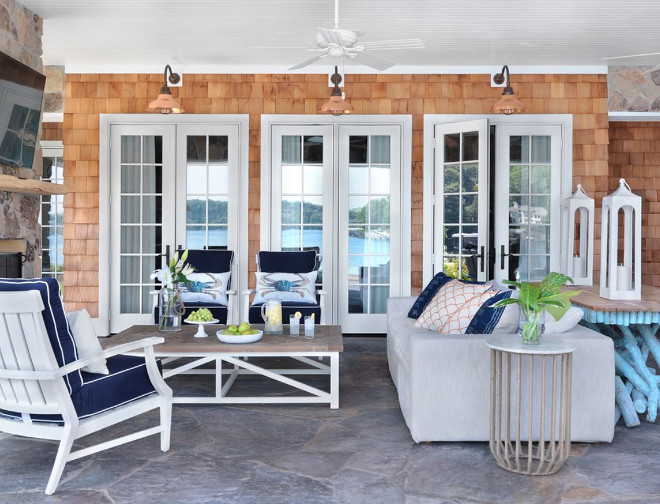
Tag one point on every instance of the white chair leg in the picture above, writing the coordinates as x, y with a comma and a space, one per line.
68, 436
165, 422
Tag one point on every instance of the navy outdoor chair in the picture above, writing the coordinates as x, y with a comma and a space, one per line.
207, 287
305, 261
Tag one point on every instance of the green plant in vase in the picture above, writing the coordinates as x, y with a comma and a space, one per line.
534, 299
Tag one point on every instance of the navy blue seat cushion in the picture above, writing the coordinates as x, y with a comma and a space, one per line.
60, 336
287, 262
486, 318
288, 309
128, 380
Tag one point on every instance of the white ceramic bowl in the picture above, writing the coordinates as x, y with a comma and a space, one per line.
240, 338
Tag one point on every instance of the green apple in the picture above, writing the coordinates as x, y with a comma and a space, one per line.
232, 329
244, 327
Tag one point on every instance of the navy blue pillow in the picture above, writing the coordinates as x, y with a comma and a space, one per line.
54, 319
486, 318
287, 262
429, 291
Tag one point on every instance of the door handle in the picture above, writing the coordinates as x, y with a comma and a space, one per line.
481, 256
166, 254
503, 254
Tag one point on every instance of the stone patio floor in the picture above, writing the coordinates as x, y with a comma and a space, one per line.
309, 454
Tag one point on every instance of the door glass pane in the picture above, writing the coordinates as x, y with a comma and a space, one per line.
291, 179
379, 210
452, 178
380, 180
291, 206
470, 178
219, 149
313, 179
291, 149
452, 147
207, 190
518, 179
380, 150
471, 146
357, 150
519, 149
541, 149
140, 228
540, 179
291, 238
313, 210
313, 149
357, 209
452, 210
357, 178
469, 207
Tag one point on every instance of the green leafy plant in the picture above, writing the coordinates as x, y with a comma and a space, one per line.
534, 298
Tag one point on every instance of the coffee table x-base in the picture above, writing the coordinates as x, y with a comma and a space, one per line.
318, 356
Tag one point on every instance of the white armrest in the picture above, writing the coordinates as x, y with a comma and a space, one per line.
80, 363
231, 294
321, 294
246, 304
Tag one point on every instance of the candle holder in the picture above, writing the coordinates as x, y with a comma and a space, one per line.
578, 233
621, 245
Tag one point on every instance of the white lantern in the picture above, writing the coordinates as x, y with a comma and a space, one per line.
579, 266
621, 245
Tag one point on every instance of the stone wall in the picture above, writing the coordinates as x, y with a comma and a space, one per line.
633, 89
20, 37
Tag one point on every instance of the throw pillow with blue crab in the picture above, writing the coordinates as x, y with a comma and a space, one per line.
206, 288
295, 287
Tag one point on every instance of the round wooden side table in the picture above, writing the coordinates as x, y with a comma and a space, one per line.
530, 404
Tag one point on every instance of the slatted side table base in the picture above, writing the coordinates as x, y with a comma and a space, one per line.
531, 390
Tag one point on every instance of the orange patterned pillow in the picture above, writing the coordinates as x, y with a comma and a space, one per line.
449, 300
460, 320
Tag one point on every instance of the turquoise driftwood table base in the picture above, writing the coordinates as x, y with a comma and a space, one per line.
633, 325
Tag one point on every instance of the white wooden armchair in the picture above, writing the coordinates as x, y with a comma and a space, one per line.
35, 390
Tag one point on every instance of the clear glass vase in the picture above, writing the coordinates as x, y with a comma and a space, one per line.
170, 309
531, 326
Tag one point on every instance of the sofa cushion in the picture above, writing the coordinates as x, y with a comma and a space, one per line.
57, 327
450, 304
86, 340
570, 319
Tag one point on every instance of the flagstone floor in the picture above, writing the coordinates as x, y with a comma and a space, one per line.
309, 454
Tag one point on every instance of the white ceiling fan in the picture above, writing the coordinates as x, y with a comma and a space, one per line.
653, 69
338, 42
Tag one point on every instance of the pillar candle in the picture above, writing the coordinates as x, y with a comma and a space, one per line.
622, 279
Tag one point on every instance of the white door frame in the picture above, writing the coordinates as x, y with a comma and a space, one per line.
431, 120
268, 121
102, 324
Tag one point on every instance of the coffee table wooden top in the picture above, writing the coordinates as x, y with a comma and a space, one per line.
327, 338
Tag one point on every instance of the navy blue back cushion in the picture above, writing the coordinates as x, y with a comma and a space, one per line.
54, 319
287, 262
211, 261
486, 318
427, 294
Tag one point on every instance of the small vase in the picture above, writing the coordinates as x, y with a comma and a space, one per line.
170, 309
531, 326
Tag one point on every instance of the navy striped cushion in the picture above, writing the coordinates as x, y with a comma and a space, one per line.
55, 321
486, 318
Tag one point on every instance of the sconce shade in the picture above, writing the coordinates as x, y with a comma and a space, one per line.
508, 104
621, 245
165, 104
578, 266
336, 104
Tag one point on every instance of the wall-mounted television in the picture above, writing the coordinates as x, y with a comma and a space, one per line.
21, 94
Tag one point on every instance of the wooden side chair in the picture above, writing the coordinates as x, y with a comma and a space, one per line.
288, 276
46, 394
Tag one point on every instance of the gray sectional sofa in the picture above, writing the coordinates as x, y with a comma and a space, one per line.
443, 380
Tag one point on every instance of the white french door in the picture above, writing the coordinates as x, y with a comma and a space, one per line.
527, 201
461, 204
340, 189
171, 187
142, 213
497, 185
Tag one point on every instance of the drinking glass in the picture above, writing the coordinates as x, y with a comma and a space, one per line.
294, 325
309, 328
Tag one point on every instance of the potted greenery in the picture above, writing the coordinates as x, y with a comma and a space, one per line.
534, 299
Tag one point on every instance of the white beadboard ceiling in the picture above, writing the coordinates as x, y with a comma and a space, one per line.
257, 36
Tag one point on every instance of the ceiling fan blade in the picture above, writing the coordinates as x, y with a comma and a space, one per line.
413, 43
309, 61
372, 61
632, 56
331, 36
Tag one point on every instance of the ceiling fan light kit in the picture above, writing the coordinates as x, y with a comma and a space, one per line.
336, 104
508, 103
165, 103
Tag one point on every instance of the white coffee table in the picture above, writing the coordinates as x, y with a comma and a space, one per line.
541, 412
182, 353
